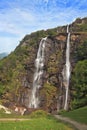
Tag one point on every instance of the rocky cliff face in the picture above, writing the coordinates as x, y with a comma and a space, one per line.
19, 81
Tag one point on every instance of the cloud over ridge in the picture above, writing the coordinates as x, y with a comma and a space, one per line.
18, 18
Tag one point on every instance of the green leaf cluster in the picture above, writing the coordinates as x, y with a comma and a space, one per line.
79, 85
82, 51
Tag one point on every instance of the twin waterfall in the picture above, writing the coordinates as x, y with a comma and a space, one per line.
66, 71
39, 71
39, 64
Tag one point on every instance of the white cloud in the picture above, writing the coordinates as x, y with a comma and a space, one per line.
27, 16
7, 44
13, 20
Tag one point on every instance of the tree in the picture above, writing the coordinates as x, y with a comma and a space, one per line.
79, 85
82, 51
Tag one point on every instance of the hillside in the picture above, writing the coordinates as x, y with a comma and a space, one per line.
17, 69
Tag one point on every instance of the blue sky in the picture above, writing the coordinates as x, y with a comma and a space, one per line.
21, 17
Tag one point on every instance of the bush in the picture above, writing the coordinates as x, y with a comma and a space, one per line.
61, 111
82, 51
79, 85
38, 113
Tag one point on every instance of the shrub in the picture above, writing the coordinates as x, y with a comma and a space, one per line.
79, 85
38, 113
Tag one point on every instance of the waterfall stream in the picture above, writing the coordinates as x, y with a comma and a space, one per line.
39, 65
66, 71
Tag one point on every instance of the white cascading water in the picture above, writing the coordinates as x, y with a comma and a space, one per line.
66, 71
39, 64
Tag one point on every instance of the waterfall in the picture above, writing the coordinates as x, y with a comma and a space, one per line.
66, 71
39, 65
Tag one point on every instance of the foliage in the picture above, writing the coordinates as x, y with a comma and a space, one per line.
62, 111
52, 32
2, 90
50, 92
79, 115
12, 67
38, 114
82, 51
83, 27
79, 85
11, 70
80, 25
53, 63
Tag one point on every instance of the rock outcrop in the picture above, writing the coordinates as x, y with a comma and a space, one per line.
20, 77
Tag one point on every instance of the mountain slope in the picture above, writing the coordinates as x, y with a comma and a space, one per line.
18, 68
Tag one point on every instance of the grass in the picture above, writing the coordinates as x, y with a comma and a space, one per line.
12, 115
34, 124
79, 115
38, 120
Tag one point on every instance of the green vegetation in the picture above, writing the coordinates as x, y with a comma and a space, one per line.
38, 114
79, 78
17, 69
79, 115
55, 59
79, 85
12, 68
37, 120
50, 92
42, 123
34, 114
83, 27
80, 25
12, 115
81, 53
34, 124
